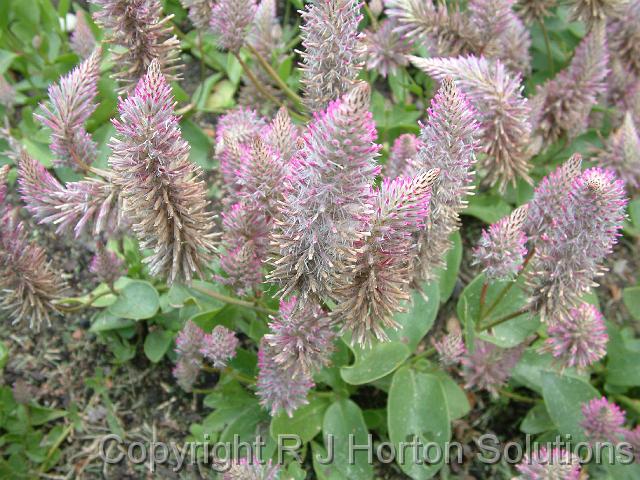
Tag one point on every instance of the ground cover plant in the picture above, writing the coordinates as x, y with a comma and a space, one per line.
411, 225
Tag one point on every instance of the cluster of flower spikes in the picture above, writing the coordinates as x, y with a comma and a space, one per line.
252, 470
164, 197
143, 35
561, 106
603, 421
489, 28
503, 112
193, 346
334, 50
28, 282
574, 221
72, 102
326, 201
449, 143
501, 249
254, 159
544, 464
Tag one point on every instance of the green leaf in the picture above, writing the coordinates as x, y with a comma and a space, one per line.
343, 422
382, 358
631, 299
508, 334
156, 344
374, 362
563, 397
106, 321
457, 400
137, 300
4, 355
417, 409
306, 422
40, 415
487, 207
537, 421
6, 58
325, 470
449, 275
533, 365
623, 358
200, 144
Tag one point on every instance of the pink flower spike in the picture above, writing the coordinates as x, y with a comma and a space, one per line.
219, 346
603, 421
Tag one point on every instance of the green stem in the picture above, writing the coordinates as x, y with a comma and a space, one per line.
65, 433
517, 397
507, 289
547, 44
374, 20
506, 318
483, 298
274, 75
232, 300
263, 91
82, 304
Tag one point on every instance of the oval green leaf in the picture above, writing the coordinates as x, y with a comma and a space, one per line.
138, 300
417, 410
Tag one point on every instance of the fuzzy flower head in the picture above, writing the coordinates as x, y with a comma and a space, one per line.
502, 111
320, 218
166, 200
72, 102
375, 285
245, 245
402, 155
28, 282
82, 40
603, 421
448, 144
488, 367
230, 21
543, 464
282, 135
532, 11
90, 204
570, 254
562, 105
106, 266
579, 339
144, 35
550, 195
7, 93
333, 52
219, 346
622, 153
450, 348
186, 373
199, 12
623, 32
280, 388
501, 249
252, 470
301, 336
189, 342
595, 11
386, 49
